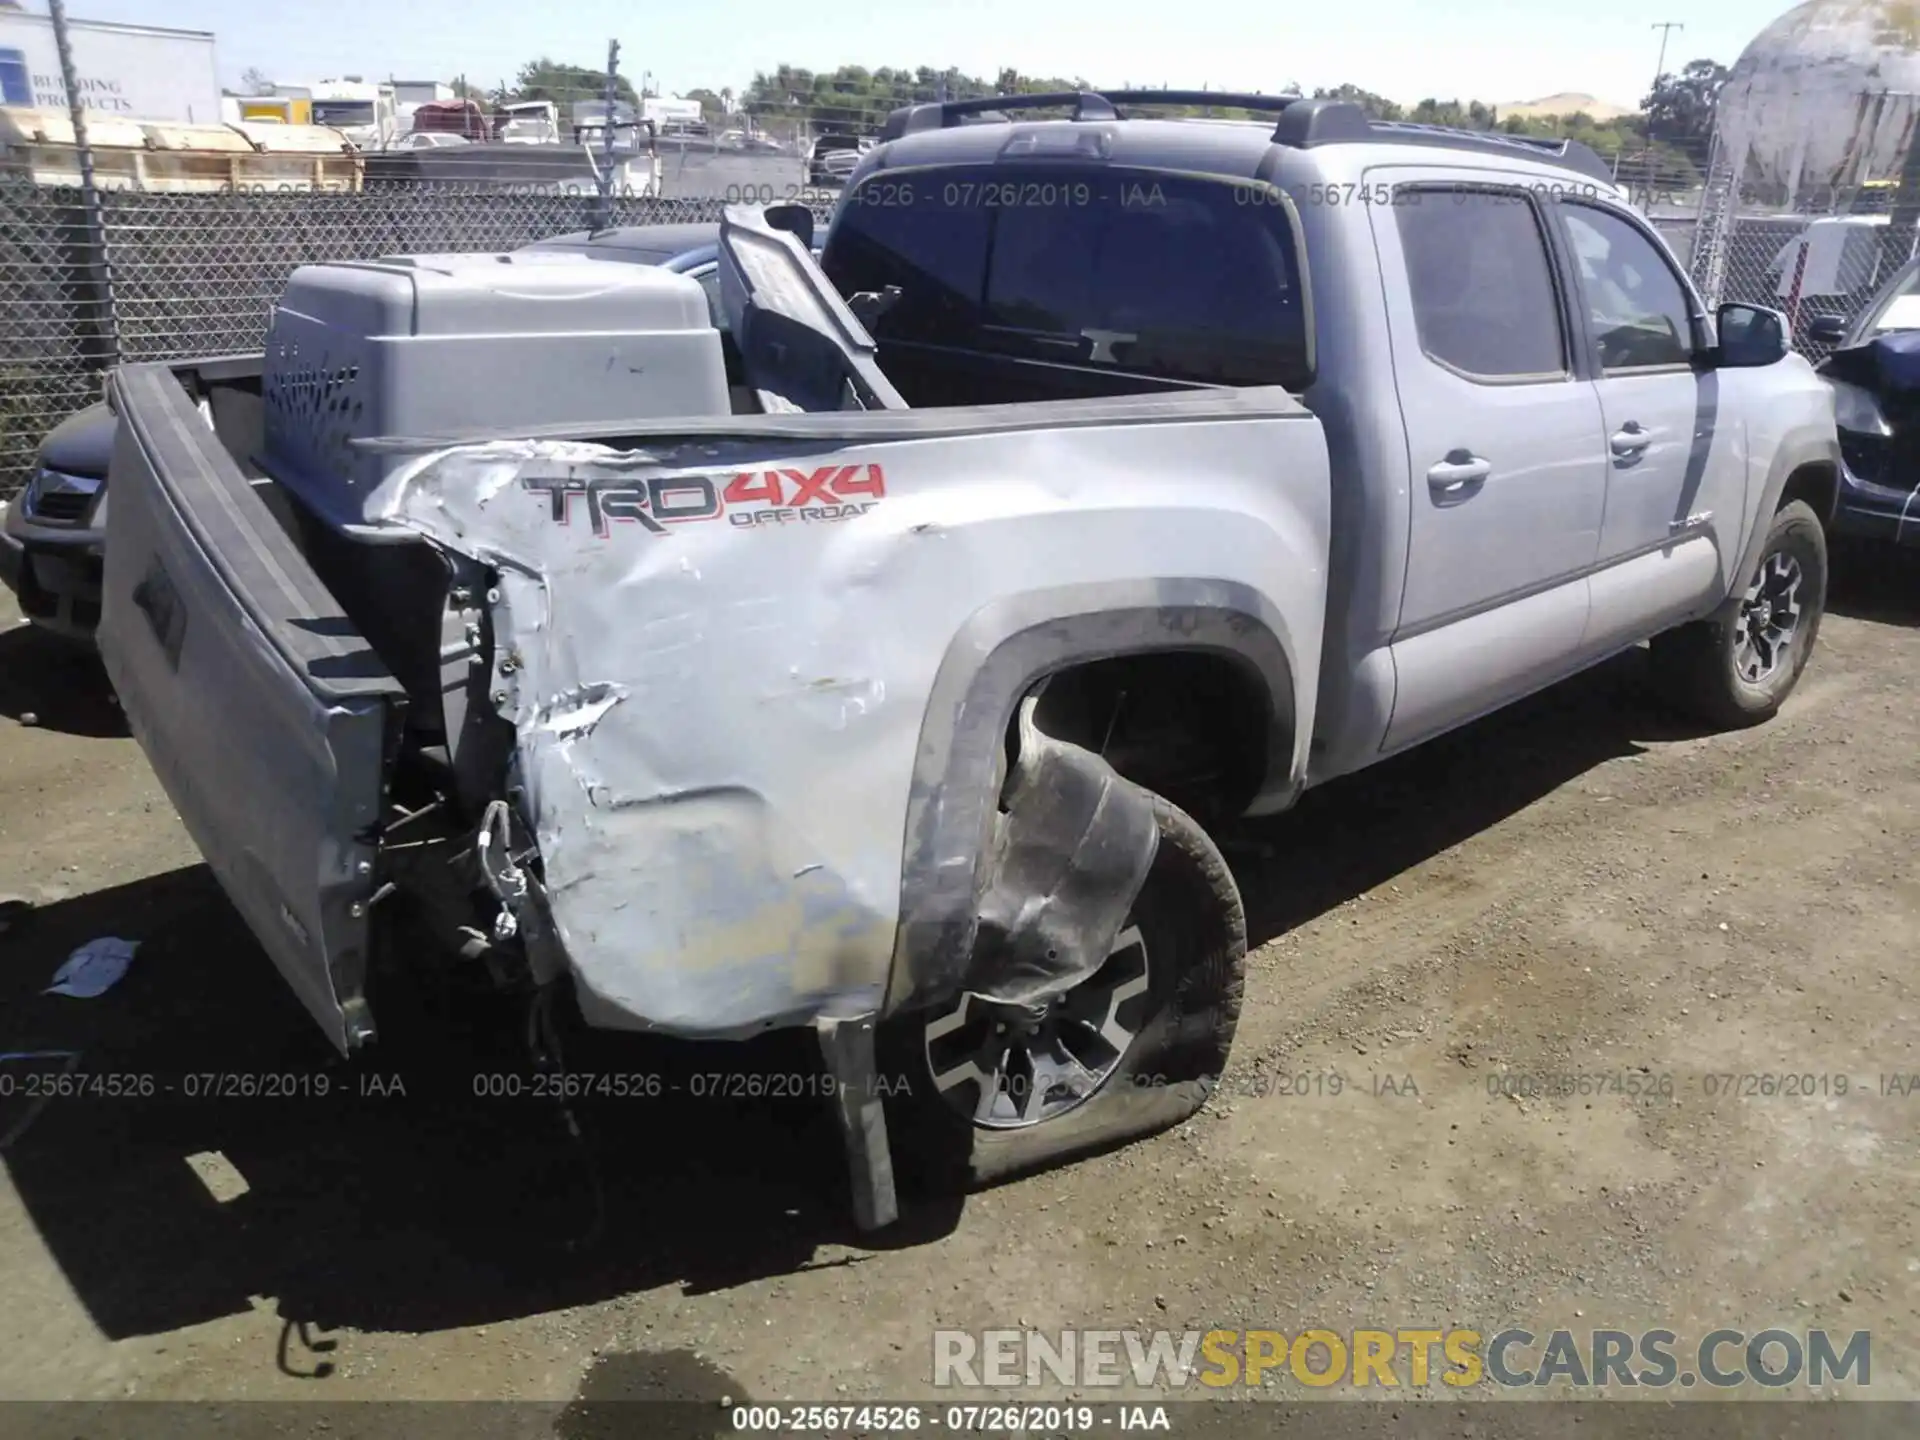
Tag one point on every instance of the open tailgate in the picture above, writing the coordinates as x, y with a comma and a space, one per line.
263, 711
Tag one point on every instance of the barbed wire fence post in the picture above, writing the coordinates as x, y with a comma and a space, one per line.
604, 170
96, 266
1904, 221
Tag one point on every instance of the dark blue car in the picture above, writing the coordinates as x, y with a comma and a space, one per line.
1875, 374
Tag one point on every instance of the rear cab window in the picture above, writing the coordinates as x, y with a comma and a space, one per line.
1481, 280
1187, 278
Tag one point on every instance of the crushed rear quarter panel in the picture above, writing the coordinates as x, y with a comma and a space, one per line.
719, 699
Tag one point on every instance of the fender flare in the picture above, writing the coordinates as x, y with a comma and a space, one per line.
1800, 450
997, 657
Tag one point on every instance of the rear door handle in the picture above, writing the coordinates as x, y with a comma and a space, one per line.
1630, 439
1460, 469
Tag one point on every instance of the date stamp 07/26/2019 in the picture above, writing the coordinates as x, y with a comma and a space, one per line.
1644, 1085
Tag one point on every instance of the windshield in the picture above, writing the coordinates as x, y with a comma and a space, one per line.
343, 112
1176, 277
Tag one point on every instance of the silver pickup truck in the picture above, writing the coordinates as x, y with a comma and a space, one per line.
868, 645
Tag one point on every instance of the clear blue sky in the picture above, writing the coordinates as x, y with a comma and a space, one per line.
1493, 50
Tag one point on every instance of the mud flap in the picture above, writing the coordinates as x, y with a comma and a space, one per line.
1069, 858
847, 1046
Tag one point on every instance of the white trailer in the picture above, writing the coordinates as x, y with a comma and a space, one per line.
669, 113
407, 93
126, 72
363, 111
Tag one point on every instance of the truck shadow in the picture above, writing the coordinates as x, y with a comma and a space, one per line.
1353, 834
384, 1194
1874, 580
60, 684
406, 1197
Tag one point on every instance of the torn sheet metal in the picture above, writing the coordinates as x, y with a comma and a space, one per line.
1070, 856
693, 720
730, 657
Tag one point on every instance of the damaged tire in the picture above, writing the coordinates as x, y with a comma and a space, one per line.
1132, 1050
1738, 666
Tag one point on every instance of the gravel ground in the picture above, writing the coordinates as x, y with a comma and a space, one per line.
1575, 885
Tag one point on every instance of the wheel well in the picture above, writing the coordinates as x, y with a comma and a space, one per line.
1194, 726
1818, 484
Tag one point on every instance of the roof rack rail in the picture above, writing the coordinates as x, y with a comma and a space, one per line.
1570, 153
938, 114
1302, 124
1087, 105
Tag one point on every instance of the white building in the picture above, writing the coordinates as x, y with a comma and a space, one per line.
133, 72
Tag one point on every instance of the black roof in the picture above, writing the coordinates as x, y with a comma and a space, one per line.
1300, 123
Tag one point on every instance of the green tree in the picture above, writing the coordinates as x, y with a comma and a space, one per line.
712, 106
545, 79
1679, 112
1680, 108
1376, 106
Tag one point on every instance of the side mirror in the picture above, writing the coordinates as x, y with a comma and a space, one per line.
1827, 329
1750, 336
794, 219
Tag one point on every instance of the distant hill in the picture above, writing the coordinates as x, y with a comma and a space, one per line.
1565, 103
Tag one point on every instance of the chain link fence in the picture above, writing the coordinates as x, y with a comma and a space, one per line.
199, 274
54, 338
1784, 261
1798, 205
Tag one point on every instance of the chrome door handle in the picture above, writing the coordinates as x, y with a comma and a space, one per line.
1460, 469
1630, 439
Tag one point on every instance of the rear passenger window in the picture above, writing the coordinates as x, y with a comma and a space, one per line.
1482, 284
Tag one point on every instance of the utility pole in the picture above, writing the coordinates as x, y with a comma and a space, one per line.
100, 283
606, 147
1904, 223
1666, 29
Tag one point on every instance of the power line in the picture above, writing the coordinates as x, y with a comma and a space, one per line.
1666, 28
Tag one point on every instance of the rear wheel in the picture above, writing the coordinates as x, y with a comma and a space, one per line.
1737, 667
994, 1091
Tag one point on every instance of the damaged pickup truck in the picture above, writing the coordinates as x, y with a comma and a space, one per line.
876, 659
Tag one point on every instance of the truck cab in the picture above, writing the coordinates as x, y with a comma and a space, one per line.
366, 113
528, 122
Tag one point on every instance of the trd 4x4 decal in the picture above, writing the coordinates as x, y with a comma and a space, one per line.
749, 499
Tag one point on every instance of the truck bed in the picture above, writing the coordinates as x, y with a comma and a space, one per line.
735, 659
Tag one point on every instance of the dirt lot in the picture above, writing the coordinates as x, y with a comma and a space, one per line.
1577, 885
